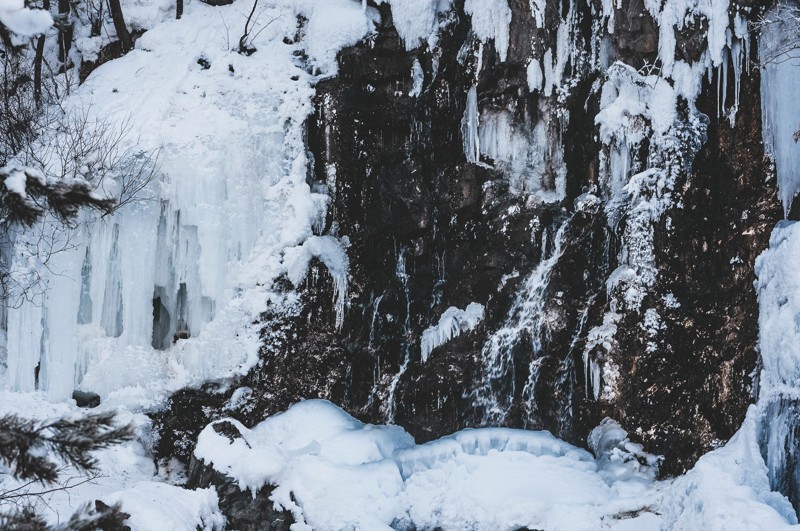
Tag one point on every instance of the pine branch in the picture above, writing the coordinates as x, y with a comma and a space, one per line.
25, 195
29, 449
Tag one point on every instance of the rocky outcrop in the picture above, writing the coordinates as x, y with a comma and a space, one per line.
429, 228
244, 510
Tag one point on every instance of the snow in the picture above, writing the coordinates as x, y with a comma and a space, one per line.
599, 370
335, 472
310, 452
627, 99
230, 212
417, 79
675, 15
535, 76
331, 252
618, 458
728, 488
778, 289
635, 108
452, 323
490, 21
469, 127
333, 25
23, 21
413, 19
16, 182
154, 505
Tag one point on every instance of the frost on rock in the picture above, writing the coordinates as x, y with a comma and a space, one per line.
599, 370
452, 323
637, 110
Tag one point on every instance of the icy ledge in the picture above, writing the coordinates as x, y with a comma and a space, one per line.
452, 323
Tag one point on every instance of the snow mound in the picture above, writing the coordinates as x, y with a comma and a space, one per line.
334, 472
331, 471
154, 505
23, 21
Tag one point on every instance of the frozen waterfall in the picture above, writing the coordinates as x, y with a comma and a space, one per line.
164, 293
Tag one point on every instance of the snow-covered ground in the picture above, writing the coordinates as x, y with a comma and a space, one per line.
333, 472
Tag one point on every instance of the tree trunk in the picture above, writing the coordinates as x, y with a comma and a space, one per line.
37, 62
178, 9
64, 31
125, 41
37, 71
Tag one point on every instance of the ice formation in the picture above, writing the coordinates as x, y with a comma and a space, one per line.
491, 20
330, 251
780, 109
164, 293
452, 323
414, 19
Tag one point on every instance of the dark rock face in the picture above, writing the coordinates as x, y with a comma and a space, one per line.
693, 391
187, 413
86, 399
428, 229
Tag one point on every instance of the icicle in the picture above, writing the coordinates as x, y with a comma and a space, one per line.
452, 323
780, 107
469, 127
417, 78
